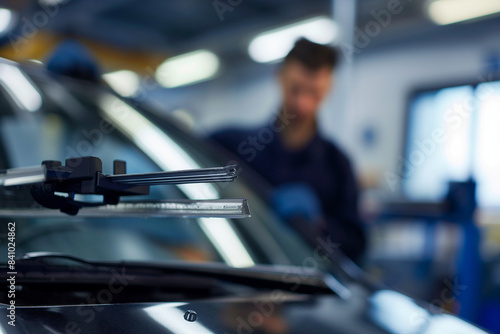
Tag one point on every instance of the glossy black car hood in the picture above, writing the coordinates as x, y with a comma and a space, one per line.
384, 311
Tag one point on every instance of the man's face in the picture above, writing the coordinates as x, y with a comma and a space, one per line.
303, 90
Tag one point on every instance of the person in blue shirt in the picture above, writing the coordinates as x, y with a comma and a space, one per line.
312, 178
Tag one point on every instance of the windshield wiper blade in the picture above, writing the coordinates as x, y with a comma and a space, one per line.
45, 258
43, 265
217, 208
84, 176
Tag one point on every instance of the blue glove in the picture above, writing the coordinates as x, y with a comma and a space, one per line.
296, 200
72, 58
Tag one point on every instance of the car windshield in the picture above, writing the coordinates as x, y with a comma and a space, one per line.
50, 118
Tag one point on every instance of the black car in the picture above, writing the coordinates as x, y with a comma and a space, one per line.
110, 269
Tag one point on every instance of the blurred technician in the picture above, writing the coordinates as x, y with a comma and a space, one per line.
313, 178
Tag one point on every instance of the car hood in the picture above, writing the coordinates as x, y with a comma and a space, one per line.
277, 311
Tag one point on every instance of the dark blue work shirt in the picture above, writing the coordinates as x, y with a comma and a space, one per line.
320, 164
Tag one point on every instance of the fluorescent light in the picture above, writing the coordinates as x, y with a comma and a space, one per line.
451, 11
275, 44
20, 88
187, 68
5, 19
124, 82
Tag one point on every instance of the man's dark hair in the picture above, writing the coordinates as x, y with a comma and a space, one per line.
312, 55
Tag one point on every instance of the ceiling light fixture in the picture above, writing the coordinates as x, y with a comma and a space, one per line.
187, 69
5, 19
451, 11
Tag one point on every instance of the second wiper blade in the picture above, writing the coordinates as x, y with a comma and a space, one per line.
216, 208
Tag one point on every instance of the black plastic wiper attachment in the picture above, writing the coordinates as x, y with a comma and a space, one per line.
84, 176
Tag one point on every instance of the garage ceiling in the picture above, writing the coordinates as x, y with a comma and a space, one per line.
174, 25
170, 27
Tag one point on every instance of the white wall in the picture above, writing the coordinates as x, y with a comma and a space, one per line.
383, 81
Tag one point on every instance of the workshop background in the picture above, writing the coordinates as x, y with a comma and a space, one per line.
416, 104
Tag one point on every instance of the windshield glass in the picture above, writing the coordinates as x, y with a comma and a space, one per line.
67, 119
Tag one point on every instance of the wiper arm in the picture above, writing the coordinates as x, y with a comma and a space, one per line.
40, 264
50, 257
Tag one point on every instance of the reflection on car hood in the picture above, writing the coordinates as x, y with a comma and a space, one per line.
271, 312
